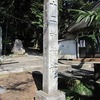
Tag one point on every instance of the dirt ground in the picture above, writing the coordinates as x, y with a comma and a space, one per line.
88, 59
20, 86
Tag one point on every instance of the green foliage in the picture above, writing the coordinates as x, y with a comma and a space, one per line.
22, 19
83, 90
69, 97
92, 17
93, 37
79, 90
37, 11
92, 20
68, 15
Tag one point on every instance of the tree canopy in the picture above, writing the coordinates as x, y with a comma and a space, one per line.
21, 19
24, 20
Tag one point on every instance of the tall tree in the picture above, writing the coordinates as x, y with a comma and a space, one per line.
21, 19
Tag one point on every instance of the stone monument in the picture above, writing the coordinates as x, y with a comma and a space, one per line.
50, 54
18, 47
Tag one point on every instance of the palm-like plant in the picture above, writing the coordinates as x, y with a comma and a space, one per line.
91, 17
87, 22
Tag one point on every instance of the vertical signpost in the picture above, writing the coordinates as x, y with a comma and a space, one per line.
50, 53
50, 46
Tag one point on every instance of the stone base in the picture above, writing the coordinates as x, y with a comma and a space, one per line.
40, 95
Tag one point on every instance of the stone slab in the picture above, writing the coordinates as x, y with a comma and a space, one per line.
40, 95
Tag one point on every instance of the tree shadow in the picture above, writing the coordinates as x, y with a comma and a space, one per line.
66, 84
80, 64
20, 86
35, 52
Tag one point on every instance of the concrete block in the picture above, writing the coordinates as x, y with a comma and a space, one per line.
59, 95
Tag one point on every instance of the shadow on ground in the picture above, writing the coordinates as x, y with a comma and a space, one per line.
67, 85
